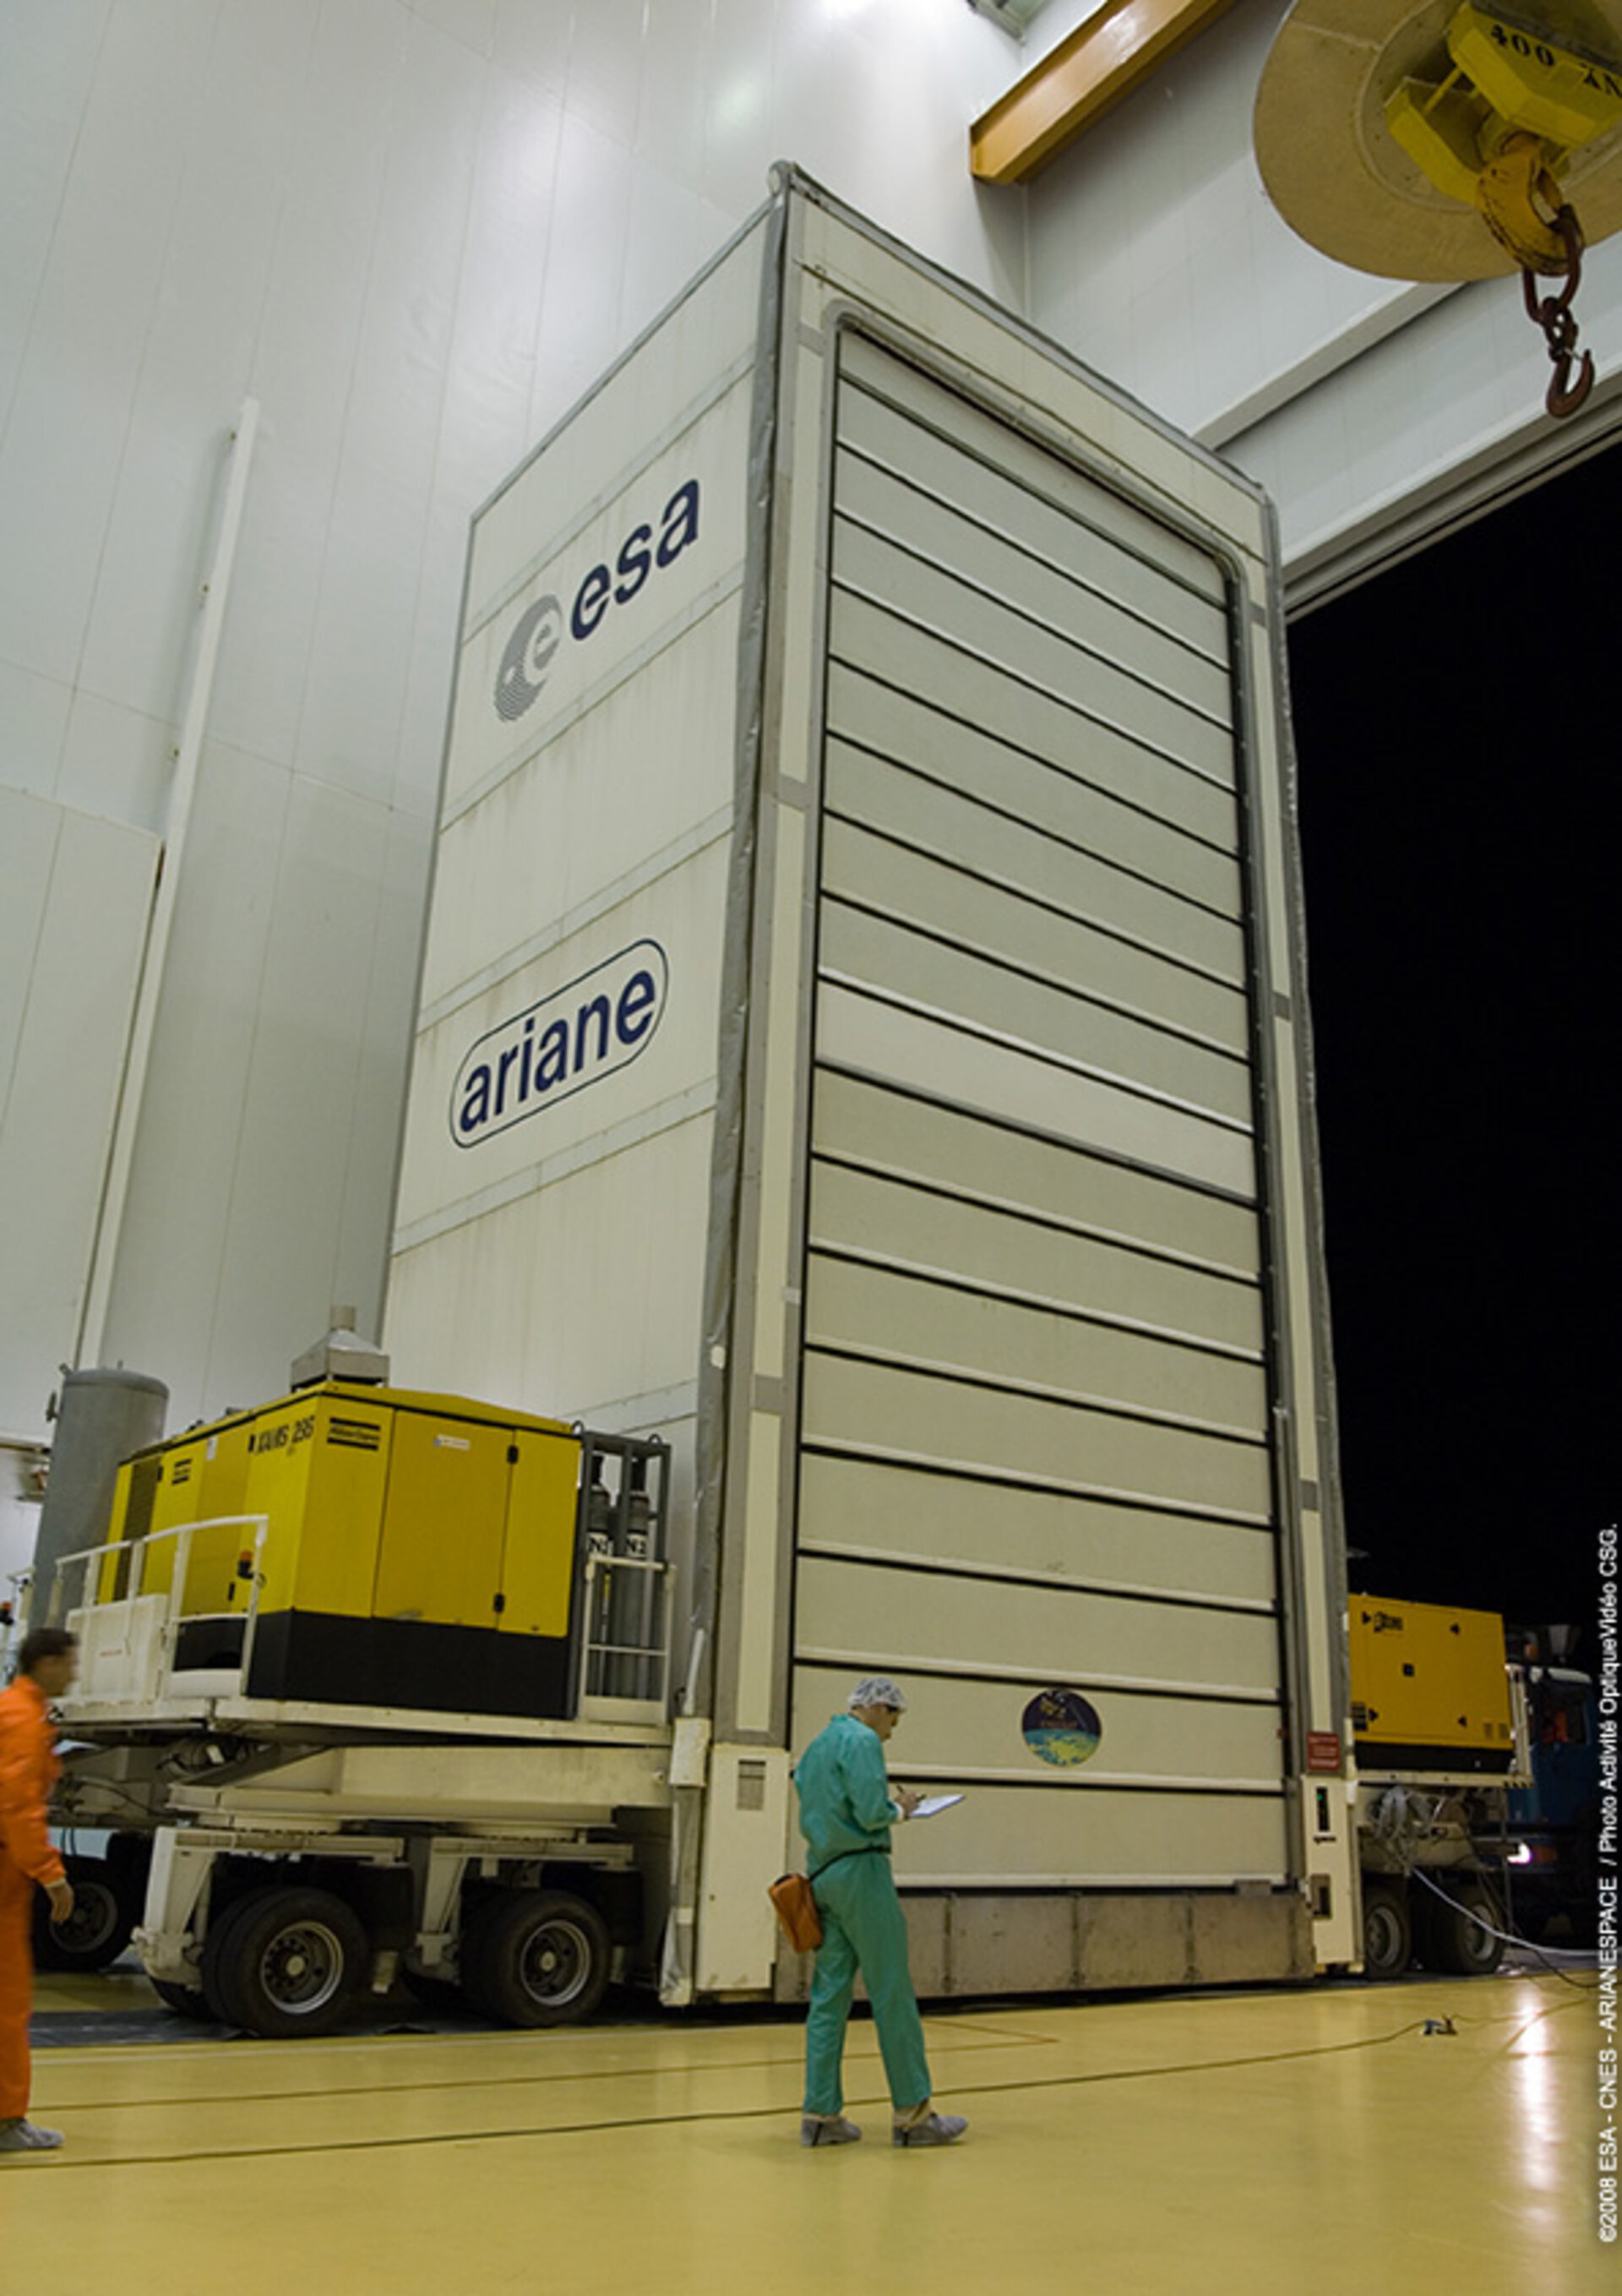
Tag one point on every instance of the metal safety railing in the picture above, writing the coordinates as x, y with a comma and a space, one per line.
131, 1643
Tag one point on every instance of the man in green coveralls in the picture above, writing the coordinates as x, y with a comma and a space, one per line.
846, 1812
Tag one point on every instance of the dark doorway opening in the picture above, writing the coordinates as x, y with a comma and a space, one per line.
1457, 728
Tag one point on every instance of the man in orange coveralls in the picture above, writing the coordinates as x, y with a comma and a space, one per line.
45, 1665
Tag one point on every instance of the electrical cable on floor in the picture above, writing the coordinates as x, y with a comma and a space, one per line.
753, 2112
1506, 1937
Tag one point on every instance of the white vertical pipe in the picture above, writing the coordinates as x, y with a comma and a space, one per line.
178, 820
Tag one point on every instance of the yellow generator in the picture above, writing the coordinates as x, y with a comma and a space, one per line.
1429, 1687
420, 1551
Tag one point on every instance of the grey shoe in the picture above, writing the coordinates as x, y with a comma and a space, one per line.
834, 2130
934, 2129
25, 2137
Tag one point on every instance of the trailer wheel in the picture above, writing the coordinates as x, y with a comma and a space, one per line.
536, 1957
1454, 1939
1388, 1929
98, 1929
284, 1963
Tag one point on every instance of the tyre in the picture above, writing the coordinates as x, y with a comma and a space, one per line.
219, 1961
284, 1963
184, 2000
536, 1957
1455, 1939
98, 1929
1387, 1929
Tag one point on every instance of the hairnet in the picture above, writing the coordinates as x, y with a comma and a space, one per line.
878, 1690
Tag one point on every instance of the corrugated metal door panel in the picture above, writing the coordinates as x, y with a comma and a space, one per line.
1052, 1016
982, 827
857, 1308
1158, 1653
941, 1055
1036, 1427
870, 1507
942, 897
868, 1124
929, 415
966, 684
883, 1412
996, 629
1074, 1835
1040, 573
1075, 810
1179, 1790
903, 1225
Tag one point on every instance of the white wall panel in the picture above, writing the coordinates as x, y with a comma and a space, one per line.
413, 233
46, 59
641, 412
75, 896
116, 759
34, 710
677, 87
685, 553
580, 1293
671, 1058
555, 1180
584, 263
184, 1175
64, 442
549, 837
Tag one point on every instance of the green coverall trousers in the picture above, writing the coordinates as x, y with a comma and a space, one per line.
862, 1928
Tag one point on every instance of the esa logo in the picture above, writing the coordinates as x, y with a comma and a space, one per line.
532, 647
586, 1031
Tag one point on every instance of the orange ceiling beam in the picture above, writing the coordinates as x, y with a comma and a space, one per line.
1078, 82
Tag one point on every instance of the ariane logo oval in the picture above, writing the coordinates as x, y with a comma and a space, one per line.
532, 642
597, 1024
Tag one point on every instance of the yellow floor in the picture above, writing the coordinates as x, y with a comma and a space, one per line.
1316, 2141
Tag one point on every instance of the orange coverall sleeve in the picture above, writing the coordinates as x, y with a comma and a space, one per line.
28, 1766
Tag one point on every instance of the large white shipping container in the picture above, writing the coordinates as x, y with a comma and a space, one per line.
862, 1038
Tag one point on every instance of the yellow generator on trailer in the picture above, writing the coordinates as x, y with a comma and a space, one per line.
417, 1550
373, 1683
1439, 1736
